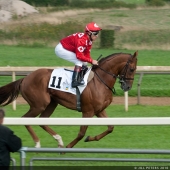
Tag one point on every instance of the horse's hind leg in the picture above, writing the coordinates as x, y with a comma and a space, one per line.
100, 136
33, 112
37, 105
47, 113
34, 90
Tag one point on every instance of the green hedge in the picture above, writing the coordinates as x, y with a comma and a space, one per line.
155, 2
107, 39
81, 3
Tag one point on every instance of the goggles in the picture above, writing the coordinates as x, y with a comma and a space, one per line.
95, 33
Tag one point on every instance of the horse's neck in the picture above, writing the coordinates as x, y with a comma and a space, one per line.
108, 71
113, 67
104, 77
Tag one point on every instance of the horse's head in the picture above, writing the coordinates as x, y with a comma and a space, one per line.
127, 73
119, 65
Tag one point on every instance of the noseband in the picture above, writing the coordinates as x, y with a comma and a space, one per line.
122, 78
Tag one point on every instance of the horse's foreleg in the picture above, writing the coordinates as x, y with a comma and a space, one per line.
100, 136
79, 137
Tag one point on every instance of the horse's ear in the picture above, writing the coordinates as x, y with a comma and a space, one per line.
135, 54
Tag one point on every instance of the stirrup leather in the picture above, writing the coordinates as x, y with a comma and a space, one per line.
76, 83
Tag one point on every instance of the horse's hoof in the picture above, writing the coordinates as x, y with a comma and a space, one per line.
37, 144
60, 146
62, 153
87, 139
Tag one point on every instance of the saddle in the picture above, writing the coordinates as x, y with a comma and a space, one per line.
61, 79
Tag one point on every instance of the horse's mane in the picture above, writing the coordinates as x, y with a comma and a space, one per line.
102, 60
110, 56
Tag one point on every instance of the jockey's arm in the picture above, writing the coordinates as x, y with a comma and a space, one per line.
83, 51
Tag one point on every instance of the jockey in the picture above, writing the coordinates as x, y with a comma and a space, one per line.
76, 49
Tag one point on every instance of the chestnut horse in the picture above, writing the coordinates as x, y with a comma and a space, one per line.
95, 98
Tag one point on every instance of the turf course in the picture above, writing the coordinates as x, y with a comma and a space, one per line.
137, 137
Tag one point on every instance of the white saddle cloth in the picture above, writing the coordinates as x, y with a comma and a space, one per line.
61, 80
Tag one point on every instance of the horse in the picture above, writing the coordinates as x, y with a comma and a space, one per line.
95, 98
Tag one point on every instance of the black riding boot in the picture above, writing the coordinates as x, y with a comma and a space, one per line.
75, 77
82, 73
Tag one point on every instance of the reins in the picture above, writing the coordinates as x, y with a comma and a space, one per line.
113, 90
121, 77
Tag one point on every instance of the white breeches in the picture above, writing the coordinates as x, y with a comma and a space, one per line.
68, 55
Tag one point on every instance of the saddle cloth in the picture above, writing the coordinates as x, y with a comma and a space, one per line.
61, 80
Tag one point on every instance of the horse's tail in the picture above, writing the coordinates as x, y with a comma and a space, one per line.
9, 92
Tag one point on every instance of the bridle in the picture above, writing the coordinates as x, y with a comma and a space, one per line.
122, 78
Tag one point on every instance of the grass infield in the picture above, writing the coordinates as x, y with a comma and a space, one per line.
129, 137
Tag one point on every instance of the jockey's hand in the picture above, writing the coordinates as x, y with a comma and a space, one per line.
95, 62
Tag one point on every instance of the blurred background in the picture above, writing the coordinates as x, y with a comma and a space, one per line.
127, 24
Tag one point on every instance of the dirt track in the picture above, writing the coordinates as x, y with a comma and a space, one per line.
162, 101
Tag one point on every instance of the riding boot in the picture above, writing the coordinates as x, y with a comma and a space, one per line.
84, 69
82, 73
75, 77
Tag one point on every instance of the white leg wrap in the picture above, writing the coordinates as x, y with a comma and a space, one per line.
37, 144
59, 139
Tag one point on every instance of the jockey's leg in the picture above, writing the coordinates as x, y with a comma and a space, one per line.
71, 56
84, 69
82, 73
75, 77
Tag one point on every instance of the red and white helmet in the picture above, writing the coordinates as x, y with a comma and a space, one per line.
92, 27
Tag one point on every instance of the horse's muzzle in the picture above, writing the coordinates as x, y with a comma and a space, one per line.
124, 86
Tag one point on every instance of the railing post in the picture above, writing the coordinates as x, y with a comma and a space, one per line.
126, 100
13, 163
13, 79
139, 83
22, 159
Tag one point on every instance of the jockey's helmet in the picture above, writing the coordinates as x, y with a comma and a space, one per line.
93, 28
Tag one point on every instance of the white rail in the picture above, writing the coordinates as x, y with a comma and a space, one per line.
139, 68
89, 121
153, 69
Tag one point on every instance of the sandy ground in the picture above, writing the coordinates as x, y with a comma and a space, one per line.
19, 9
9, 8
159, 101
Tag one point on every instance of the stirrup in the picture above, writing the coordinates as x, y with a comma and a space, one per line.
76, 83
82, 82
